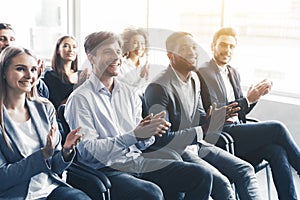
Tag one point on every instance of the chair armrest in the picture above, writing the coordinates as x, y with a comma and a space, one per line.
105, 180
251, 119
87, 182
214, 138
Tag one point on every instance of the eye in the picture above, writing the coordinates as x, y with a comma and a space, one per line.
2, 39
20, 69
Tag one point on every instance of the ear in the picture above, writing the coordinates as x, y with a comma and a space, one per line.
170, 55
91, 58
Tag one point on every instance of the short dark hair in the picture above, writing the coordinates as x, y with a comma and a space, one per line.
224, 31
94, 40
6, 26
172, 40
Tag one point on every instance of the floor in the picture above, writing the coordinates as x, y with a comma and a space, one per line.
261, 176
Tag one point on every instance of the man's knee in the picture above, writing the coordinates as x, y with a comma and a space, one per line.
246, 170
205, 176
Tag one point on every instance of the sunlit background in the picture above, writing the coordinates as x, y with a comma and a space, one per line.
268, 42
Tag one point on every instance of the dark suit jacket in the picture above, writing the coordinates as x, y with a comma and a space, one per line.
213, 88
164, 94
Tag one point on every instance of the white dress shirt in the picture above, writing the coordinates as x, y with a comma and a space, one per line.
107, 121
229, 89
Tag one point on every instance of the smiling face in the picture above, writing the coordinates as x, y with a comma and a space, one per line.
137, 45
68, 49
185, 54
107, 60
223, 49
21, 74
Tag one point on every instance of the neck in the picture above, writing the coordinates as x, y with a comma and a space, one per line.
108, 82
67, 67
219, 63
135, 59
15, 102
183, 74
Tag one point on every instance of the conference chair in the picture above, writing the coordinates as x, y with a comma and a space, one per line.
93, 182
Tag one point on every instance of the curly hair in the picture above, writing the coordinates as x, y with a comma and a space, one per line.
128, 33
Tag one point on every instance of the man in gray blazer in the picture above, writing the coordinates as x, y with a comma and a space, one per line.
270, 140
177, 92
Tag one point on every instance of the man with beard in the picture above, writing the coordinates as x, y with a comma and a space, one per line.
109, 114
177, 92
268, 140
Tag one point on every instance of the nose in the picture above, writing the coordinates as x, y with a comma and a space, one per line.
8, 42
30, 74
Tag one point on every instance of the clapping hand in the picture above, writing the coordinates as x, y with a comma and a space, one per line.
145, 71
73, 138
48, 150
152, 125
260, 89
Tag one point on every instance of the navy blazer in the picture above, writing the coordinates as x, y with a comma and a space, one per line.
213, 88
164, 94
16, 169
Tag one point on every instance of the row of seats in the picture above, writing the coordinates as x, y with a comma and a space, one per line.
97, 185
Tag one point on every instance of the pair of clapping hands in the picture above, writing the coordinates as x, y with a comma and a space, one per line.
218, 116
157, 125
72, 139
152, 125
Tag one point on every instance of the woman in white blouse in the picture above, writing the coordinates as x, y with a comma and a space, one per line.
31, 156
135, 67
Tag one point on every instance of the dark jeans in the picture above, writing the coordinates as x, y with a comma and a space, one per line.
224, 166
67, 193
155, 179
271, 141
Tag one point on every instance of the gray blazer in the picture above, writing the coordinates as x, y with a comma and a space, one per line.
16, 169
164, 94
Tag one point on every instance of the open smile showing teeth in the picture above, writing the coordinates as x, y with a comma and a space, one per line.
26, 83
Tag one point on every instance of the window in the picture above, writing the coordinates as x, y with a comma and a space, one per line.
37, 24
268, 31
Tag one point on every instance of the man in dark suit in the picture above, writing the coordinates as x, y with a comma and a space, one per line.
270, 140
177, 92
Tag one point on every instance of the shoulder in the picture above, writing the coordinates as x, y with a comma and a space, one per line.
164, 77
49, 76
50, 73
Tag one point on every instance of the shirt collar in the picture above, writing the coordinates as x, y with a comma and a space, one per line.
98, 85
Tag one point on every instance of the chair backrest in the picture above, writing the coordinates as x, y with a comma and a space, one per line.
91, 181
62, 123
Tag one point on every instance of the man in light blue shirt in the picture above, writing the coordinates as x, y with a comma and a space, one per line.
109, 114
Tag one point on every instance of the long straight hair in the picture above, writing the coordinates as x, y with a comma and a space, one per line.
57, 64
6, 57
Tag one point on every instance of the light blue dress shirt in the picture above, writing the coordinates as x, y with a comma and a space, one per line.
107, 121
